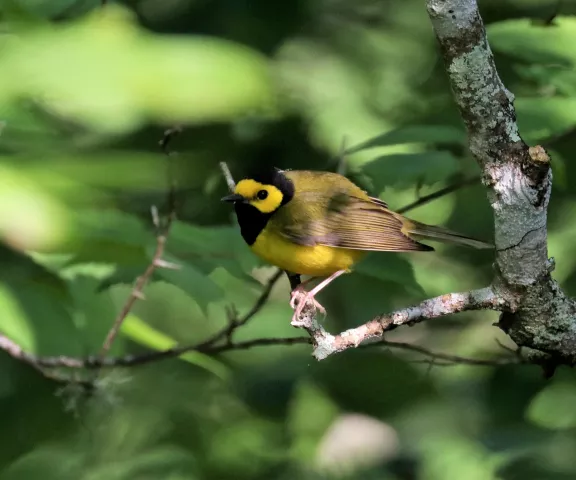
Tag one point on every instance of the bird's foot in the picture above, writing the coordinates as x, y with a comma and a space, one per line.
296, 295
299, 299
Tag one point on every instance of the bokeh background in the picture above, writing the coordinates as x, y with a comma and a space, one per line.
85, 95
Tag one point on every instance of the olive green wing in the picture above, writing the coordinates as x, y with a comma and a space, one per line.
345, 221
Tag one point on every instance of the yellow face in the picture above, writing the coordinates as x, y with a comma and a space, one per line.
265, 198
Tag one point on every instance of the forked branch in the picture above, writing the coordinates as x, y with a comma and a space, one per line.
326, 344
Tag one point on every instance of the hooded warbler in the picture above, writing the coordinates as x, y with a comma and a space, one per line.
320, 224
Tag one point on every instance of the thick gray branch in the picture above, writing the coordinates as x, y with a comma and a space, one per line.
519, 181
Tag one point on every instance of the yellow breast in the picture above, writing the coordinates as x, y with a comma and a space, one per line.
318, 261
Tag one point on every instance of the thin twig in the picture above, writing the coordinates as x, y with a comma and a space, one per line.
234, 322
262, 299
228, 176
135, 294
161, 238
133, 360
440, 193
451, 359
168, 136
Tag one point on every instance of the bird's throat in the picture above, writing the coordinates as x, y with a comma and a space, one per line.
251, 220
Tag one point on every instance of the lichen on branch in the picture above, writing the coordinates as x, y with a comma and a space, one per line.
519, 181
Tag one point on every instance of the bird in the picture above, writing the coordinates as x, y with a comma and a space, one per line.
320, 224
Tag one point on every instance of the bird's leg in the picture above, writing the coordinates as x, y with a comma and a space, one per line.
297, 288
298, 291
294, 279
310, 296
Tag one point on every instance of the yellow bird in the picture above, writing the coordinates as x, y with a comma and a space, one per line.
321, 224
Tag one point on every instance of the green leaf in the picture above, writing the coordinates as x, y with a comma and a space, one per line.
192, 281
553, 407
40, 222
108, 75
427, 134
16, 12
168, 462
542, 118
14, 321
311, 414
559, 168
409, 169
122, 275
47, 8
548, 50
35, 306
461, 456
144, 334
135, 171
111, 236
53, 462
346, 377
208, 248
94, 310
390, 267
523, 39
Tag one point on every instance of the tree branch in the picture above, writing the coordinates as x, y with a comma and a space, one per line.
227, 176
235, 322
162, 231
326, 344
448, 359
519, 182
76, 363
137, 291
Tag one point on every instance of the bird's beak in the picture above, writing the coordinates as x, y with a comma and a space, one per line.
233, 198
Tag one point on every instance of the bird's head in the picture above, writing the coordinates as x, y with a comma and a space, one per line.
266, 191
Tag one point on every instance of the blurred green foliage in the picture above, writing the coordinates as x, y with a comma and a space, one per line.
85, 95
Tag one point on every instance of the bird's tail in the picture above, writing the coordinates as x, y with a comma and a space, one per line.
421, 231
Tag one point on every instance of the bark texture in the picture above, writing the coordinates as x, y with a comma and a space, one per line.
519, 181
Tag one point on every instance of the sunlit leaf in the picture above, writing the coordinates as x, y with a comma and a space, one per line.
553, 407
524, 39
30, 217
544, 53
108, 75
541, 118
133, 171
35, 307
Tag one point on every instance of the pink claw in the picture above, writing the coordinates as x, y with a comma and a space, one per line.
299, 291
299, 299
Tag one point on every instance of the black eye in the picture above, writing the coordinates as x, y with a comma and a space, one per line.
262, 195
